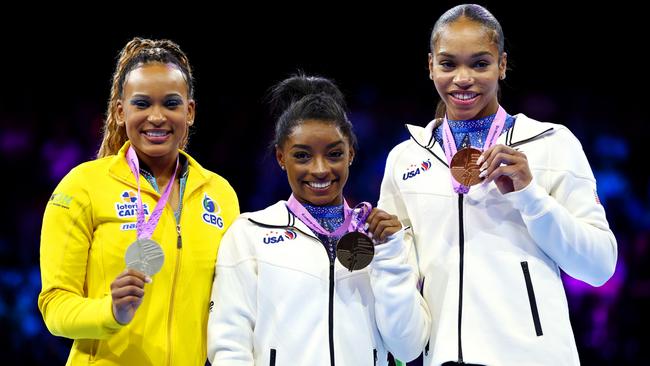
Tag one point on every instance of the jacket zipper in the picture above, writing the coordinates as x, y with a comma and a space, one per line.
461, 243
331, 296
374, 356
331, 311
179, 246
461, 248
272, 358
531, 299
331, 279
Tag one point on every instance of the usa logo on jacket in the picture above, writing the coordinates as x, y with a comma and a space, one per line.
414, 169
276, 237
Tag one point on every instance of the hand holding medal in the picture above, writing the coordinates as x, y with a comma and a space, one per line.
144, 257
355, 249
144, 254
507, 167
464, 163
381, 225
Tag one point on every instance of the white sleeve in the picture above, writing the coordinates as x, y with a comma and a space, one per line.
232, 317
563, 214
403, 318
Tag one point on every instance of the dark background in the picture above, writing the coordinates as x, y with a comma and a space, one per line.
574, 64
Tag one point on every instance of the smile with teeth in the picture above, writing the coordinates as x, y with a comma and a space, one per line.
156, 133
319, 185
464, 96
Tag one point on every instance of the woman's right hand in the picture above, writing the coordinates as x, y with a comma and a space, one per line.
127, 291
381, 225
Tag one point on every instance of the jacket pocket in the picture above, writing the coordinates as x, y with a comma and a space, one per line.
272, 357
426, 347
531, 298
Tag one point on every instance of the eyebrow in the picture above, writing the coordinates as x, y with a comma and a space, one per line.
307, 147
170, 95
475, 55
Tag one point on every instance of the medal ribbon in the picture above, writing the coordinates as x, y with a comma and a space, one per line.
354, 218
450, 144
145, 229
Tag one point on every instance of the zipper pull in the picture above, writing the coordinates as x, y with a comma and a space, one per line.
179, 240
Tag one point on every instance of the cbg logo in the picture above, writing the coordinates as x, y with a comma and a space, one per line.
275, 237
414, 170
211, 212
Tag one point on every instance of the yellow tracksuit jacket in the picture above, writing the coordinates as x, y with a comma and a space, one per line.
88, 224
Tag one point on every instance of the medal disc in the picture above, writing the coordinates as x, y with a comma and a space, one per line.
145, 255
464, 168
355, 250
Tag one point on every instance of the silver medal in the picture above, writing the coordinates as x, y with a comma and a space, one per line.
145, 255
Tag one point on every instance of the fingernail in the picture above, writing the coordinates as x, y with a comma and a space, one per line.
483, 174
480, 160
366, 226
483, 167
370, 235
148, 279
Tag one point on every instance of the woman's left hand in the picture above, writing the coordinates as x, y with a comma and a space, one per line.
381, 225
507, 167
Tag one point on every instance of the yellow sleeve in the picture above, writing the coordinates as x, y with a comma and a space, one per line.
66, 237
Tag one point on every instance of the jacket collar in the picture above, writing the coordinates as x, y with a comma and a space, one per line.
119, 169
279, 216
523, 130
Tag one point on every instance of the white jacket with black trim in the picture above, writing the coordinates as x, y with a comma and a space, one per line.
490, 263
278, 300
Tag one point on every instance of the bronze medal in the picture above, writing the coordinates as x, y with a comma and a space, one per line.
355, 250
464, 168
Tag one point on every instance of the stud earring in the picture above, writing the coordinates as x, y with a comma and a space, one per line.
282, 167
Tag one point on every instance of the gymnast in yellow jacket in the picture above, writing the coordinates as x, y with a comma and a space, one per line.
120, 316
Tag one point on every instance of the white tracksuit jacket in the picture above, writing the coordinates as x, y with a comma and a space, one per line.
277, 299
509, 248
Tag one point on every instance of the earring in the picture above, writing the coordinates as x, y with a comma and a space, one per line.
282, 167
502, 77
350, 164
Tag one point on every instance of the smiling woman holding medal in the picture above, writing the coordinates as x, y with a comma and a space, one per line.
500, 204
305, 281
129, 240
